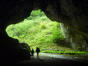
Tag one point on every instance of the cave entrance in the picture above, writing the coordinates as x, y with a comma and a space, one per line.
37, 31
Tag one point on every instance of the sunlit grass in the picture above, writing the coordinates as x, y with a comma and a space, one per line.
64, 52
37, 31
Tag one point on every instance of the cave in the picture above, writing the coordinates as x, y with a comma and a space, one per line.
73, 14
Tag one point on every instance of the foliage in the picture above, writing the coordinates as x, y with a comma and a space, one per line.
65, 52
37, 31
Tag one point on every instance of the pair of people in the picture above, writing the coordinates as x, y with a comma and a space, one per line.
37, 51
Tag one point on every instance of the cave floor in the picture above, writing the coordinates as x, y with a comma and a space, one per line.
45, 59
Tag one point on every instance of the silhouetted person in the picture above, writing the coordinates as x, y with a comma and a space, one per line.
37, 51
32, 52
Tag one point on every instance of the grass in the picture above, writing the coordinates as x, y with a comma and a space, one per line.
73, 53
65, 52
37, 31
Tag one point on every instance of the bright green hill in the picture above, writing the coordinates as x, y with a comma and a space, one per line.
37, 31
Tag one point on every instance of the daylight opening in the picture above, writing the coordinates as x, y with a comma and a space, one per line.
38, 31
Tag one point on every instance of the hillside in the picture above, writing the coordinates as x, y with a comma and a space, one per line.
37, 31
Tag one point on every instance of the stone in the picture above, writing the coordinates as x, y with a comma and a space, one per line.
73, 14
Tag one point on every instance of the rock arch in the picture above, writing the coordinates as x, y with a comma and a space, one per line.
73, 14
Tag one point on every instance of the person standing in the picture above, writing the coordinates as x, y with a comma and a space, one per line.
37, 51
32, 52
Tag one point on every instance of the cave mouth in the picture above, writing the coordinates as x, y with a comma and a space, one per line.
38, 31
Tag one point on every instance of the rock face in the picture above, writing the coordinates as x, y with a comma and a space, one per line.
73, 14
10, 49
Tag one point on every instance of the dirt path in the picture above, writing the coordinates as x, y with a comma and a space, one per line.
53, 59
48, 56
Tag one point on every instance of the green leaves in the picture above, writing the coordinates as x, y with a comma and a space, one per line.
36, 30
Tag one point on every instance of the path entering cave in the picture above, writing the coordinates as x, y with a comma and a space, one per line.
53, 59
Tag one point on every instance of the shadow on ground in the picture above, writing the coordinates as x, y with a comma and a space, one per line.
52, 60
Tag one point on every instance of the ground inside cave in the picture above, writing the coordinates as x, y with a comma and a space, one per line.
53, 59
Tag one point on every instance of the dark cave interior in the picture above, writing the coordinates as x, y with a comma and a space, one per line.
72, 13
